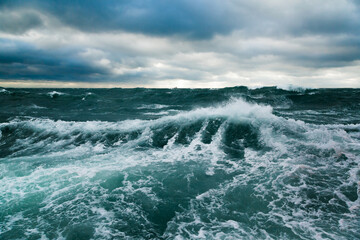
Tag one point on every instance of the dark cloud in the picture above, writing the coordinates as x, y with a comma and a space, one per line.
23, 61
198, 19
194, 19
343, 18
151, 40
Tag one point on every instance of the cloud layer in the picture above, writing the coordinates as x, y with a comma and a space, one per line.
182, 43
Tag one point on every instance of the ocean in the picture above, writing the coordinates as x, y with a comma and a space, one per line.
231, 163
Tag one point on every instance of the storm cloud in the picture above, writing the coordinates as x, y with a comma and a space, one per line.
23, 61
182, 42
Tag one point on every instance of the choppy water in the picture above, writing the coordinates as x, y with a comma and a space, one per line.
230, 163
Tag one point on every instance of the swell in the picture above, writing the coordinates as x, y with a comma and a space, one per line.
122, 104
244, 125
235, 170
22, 137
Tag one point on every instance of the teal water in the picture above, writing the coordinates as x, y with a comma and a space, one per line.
233, 163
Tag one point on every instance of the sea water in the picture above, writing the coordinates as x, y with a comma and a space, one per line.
233, 163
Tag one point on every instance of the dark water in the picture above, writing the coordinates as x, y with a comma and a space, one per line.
229, 163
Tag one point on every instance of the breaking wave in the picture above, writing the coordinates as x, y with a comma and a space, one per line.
234, 170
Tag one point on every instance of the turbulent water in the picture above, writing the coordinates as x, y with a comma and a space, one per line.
233, 163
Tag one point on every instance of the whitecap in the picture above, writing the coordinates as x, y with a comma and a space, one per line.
53, 94
153, 106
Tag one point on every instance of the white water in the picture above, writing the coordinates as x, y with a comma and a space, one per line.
295, 182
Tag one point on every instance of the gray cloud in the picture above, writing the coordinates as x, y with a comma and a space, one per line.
18, 22
202, 19
23, 61
144, 42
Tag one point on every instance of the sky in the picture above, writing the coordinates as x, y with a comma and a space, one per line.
180, 43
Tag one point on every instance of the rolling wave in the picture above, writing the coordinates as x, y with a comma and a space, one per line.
233, 170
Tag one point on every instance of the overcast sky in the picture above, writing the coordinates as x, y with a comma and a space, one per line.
180, 43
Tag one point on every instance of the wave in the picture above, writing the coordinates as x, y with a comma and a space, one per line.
290, 87
242, 122
153, 106
34, 106
45, 129
3, 90
54, 94
232, 170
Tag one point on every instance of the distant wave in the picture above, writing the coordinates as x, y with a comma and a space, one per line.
153, 106
54, 94
4, 91
34, 106
290, 87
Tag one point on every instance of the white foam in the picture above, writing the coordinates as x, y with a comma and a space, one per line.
236, 109
153, 106
66, 132
291, 87
162, 113
55, 93
4, 91
34, 106
74, 176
